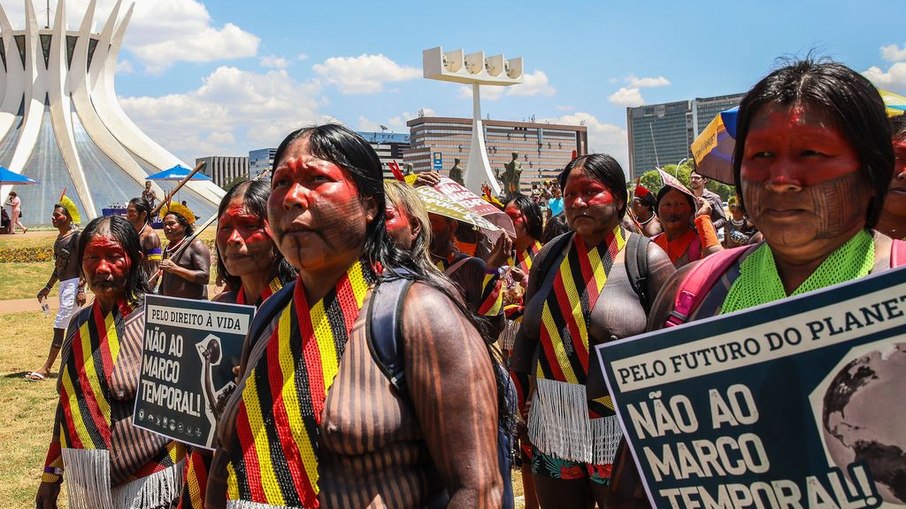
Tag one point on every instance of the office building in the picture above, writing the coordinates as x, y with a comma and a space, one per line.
224, 170
544, 149
389, 147
261, 161
661, 134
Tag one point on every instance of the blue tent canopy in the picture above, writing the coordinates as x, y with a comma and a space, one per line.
9, 177
177, 173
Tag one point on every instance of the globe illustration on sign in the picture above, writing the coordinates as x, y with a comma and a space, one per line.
864, 418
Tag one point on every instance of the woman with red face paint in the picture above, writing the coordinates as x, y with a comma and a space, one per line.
249, 261
314, 420
813, 161
579, 295
104, 459
893, 219
683, 240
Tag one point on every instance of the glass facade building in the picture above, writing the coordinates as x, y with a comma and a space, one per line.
661, 134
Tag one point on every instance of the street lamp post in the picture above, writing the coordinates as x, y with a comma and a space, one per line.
676, 168
473, 69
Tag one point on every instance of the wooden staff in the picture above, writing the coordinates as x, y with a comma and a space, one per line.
173, 191
153, 280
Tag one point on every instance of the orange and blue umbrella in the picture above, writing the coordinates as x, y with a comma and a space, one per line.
713, 148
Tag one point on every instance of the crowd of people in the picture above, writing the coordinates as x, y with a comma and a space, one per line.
322, 415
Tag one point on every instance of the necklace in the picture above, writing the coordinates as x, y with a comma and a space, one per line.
738, 223
643, 223
173, 247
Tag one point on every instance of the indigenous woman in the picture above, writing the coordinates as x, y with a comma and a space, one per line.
249, 261
813, 160
683, 242
313, 419
580, 295
186, 269
893, 218
106, 461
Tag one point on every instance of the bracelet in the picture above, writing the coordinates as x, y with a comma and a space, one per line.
53, 470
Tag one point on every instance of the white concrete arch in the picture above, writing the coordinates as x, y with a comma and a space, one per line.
13, 77
35, 91
81, 98
61, 111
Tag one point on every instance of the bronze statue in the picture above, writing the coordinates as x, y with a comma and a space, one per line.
456, 172
512, 174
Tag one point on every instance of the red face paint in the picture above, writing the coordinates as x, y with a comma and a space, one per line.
518, 219
106, 267
58, 218
316, 213
243, 241
591, 208
798, 146
399, 227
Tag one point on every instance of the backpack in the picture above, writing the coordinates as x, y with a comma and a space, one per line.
636, 261
384, 322
697, 284
383, 325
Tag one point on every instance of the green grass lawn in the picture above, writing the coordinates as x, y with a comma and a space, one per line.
28, 407
23, 280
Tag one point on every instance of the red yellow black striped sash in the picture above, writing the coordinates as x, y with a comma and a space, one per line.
276, 459
523, 260
85, 392
198, 462
273, 287
564, 316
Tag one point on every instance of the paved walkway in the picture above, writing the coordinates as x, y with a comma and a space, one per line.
32, 304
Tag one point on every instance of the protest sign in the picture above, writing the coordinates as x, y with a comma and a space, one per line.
189, 350
794, 404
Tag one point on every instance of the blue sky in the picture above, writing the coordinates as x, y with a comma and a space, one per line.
224, 77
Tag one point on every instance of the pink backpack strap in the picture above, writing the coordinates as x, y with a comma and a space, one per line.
695, 249
699, 281
897, 253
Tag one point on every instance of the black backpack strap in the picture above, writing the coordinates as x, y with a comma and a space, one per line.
384, 332
637, 267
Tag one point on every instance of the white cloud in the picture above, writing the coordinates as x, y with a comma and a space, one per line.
124, 67
893, 53
893, 79
488, 93
635, 82
397, 124
160, 32
273, 62
602, 138
301, 57
232, 112
366, 124
629, 97
536, 83
365, 74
